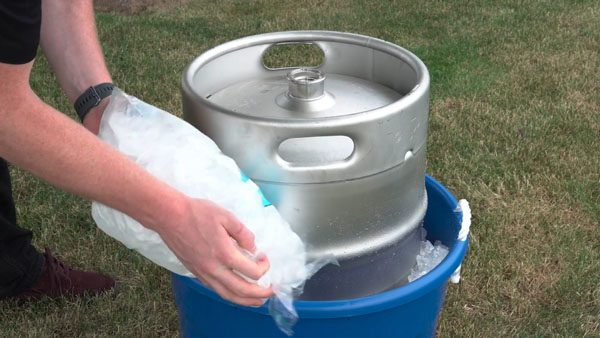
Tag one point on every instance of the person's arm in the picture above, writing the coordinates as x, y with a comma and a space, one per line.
45, 142
52, 146
69, 41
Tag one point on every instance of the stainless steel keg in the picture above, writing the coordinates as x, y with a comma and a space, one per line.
339, 149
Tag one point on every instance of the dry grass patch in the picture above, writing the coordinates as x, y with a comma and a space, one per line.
130, 7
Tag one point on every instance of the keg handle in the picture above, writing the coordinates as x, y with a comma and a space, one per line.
301, 48
322, 150
316, 151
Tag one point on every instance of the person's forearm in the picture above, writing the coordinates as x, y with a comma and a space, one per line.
70, 42
52, 146
205, 237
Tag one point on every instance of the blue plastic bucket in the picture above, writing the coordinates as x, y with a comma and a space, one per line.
408, 311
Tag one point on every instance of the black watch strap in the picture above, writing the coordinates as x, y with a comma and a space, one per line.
91, 98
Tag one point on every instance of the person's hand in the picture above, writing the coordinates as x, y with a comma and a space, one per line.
207, 240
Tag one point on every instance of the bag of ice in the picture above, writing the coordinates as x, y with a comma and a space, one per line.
179, 154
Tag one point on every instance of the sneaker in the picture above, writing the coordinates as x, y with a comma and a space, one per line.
59, 280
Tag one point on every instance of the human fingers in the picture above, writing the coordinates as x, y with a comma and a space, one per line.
235, 259
239, 286
240, 233
227, 294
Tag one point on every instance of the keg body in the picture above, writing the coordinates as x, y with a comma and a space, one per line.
339, 149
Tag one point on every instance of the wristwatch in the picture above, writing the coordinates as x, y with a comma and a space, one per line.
91, 98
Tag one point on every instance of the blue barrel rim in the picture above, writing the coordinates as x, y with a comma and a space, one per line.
435, 279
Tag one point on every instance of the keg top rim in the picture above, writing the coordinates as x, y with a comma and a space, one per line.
242, 96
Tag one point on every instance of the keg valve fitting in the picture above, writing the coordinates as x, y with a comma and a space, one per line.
306, 84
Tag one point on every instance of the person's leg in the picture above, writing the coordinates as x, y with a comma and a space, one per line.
26, 274
20, 263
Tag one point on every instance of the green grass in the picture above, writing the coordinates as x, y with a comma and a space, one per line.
514, 128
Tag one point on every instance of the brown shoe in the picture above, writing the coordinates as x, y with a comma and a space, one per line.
59, 280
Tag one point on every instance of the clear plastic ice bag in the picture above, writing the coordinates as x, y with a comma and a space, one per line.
179, 154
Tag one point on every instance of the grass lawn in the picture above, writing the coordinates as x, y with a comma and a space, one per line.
514, 128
